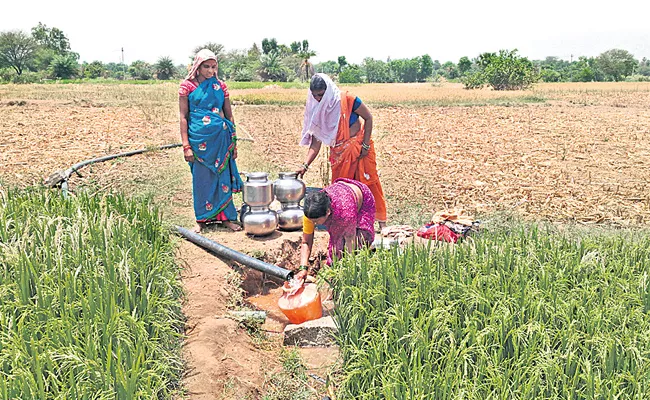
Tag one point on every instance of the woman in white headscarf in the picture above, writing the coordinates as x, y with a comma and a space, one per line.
334, 118
209, 142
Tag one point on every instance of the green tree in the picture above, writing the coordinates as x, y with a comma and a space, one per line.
450, 70
644, 67
16, 50
436, 65
426, 68
239, 65
141, 70
64, 66
464, 65
327, 67
117, 70
342, 63
216, 48
295, 47
376, 71
473, 80
396, 69
164, 68
411, 70
254, 52
616, 64
351, 74
269, 45
505, 71
42, 58
94, 70
271, 67
583, 70
484, 59
51, 38
508, 71
550, 75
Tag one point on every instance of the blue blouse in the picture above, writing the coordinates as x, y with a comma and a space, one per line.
354, 116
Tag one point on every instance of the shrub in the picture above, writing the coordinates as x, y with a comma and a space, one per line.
504, 71
64, 66
351, 74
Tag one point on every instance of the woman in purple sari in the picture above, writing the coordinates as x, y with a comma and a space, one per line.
209, 143
347, 209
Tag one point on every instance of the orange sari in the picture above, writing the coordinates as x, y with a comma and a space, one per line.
344, 158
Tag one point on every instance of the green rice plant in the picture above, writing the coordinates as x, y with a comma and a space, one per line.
525, 312
89, 298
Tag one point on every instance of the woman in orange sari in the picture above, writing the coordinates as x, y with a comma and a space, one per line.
334, 117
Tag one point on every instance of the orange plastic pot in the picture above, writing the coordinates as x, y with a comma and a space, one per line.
304, 305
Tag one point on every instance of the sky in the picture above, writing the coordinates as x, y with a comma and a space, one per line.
447, 31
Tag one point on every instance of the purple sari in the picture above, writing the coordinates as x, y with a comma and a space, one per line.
345, 220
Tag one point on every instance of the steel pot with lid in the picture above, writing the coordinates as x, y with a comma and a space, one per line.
288, 188
258, 190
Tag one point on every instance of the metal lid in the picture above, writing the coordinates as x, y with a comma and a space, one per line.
257, 175
288, 175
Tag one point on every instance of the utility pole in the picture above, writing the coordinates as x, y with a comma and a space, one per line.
123, 65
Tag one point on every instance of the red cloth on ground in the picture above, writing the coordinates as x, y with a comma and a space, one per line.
438, 232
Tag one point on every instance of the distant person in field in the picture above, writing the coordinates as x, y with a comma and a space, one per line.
209, 143
334, 118
347, 209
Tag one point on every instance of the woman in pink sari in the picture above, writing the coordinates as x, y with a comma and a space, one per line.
347, 209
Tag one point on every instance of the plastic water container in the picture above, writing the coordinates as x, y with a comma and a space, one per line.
304, 305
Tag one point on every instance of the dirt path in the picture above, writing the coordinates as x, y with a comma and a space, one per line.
224, 362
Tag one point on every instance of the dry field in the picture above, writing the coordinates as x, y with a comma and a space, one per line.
563, 152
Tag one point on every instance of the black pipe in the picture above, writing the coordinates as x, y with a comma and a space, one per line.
77, 166
231, 254
68, 172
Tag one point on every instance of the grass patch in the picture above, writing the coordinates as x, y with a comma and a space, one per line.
290, 383
298, 99
519, 312
451, 102
89, 298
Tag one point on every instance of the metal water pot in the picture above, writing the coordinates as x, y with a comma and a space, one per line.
290, 217
288, 188
260, 221
258, 190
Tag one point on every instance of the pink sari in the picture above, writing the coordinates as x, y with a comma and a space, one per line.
345, 220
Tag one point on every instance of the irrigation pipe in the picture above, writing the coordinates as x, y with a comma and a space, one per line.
62, 177
234, 255
201, 241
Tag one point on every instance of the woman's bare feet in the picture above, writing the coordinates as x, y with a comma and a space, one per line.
198, 227
232, 226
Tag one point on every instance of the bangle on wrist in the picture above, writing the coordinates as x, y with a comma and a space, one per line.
306, 166
303, 268
365, 145
186, 146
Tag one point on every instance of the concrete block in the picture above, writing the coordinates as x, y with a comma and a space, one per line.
316, 333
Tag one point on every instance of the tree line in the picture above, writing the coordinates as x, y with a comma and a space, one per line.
45, 53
